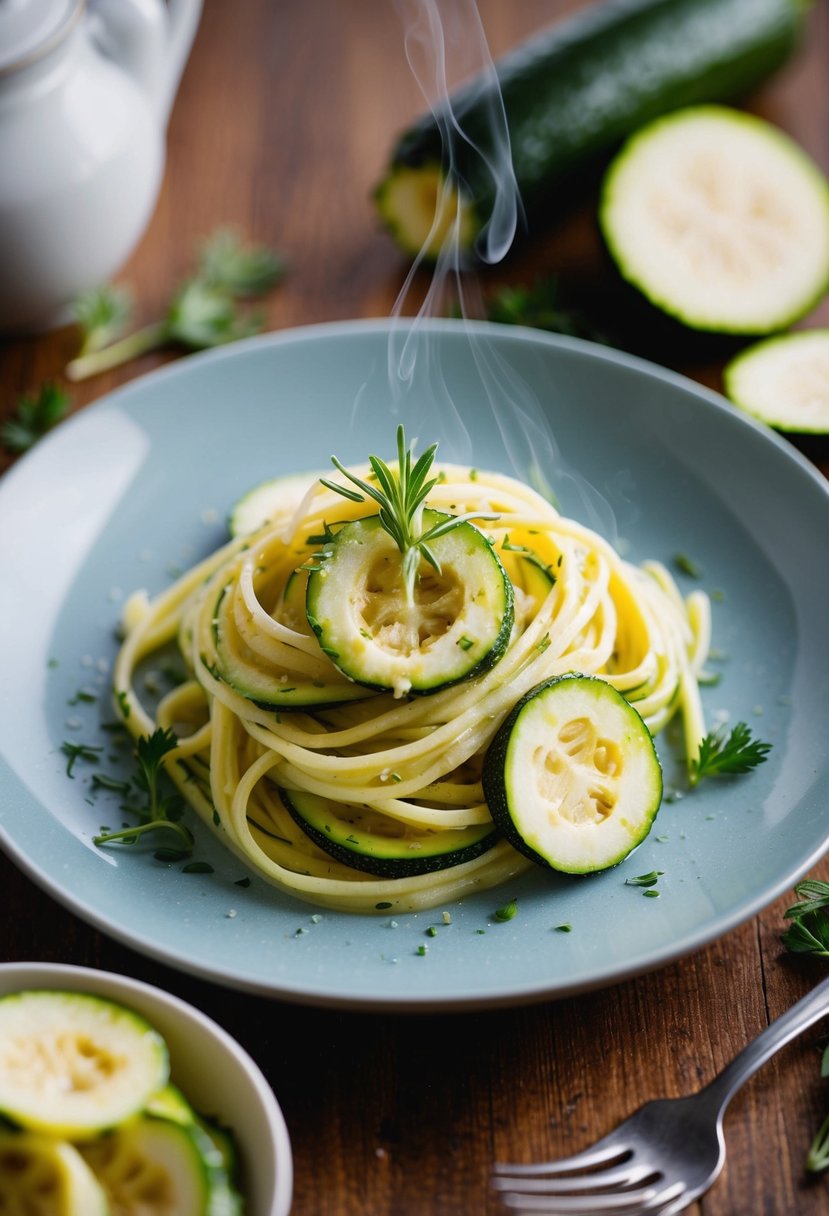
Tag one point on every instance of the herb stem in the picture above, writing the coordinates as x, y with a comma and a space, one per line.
153, 826
135, 344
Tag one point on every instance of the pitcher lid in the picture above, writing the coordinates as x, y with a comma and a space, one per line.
30, 28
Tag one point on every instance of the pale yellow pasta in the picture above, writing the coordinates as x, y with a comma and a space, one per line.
415, 761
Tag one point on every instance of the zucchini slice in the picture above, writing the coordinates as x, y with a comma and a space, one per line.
72, 1065
41, 1176
279, 495
168, 1168
253, 678
720, 220
784, 382
367, 840
458, 626
572, 777
571, 94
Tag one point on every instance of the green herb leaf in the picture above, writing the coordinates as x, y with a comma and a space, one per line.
400, 496
79, 751
507, 912
541, 307
202, 316
230, 265
645, 880
817, 1158
736, 753
815, 896
687, 565
102, 313
160, 812
808, 935
34, 416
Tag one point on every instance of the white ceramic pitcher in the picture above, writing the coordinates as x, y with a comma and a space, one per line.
86, 88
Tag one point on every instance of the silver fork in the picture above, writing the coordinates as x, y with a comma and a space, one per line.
665, 1155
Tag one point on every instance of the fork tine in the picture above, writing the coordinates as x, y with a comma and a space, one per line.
606, 1151
636, 1202
625, 1175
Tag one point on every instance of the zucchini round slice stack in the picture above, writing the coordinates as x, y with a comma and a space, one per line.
73, 1065
457, 624
572, 777
720, 220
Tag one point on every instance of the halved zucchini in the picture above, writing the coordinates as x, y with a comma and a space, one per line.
720, 220
168, 1168
572, 776
72, 1064
784, 382
457, 626
368, 840
41, 1176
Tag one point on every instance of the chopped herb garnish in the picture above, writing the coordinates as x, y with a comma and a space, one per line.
242, 882
400, 496
507, 912
102, 781
422, 950
566, 928
651, 893
431, 931
736, 753
645, 880
384, 903
465, 643
197, 867
79, 751
82, 697
122, 697
686, 565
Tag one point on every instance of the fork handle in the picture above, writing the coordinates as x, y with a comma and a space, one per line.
787, 1027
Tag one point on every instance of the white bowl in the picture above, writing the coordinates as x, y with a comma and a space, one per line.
216, 1074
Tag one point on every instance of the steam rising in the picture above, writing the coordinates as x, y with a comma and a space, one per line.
445, 44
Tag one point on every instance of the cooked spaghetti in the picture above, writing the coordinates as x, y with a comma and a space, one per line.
267, 718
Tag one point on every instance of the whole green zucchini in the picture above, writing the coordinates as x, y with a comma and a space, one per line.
571, 95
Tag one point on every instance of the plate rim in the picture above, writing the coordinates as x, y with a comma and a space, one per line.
517, 994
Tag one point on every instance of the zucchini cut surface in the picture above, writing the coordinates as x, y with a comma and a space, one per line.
153, 1165
784, 382
720, 220
572, 776
72, 1065
40, 1176
373, 842
458, 625
277, 496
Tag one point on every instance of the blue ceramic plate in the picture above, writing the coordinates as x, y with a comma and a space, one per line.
140, 484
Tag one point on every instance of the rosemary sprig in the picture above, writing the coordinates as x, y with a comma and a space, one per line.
401, 496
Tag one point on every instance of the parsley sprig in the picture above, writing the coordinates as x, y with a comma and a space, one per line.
808, 932
203, 312
160, 811
35, 415
734, 753
401, 496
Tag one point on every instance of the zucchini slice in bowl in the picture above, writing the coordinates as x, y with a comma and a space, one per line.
458, 625
572, 777
368, 840
73, 1065
42, 1176
720, 220
784, 382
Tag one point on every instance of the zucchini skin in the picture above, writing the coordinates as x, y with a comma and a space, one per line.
573, 93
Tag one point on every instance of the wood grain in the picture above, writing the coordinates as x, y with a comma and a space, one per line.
284, 120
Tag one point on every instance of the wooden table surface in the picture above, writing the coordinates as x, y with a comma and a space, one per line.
283, 122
